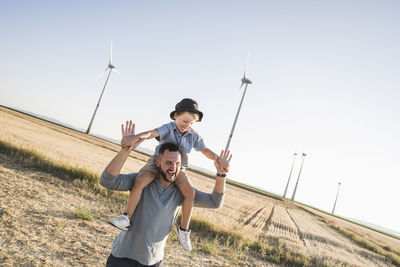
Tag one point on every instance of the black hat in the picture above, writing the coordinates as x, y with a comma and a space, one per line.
187, 104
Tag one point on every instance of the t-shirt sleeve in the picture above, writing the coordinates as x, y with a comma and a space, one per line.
214, 200
121, 182
199, 143
163, 130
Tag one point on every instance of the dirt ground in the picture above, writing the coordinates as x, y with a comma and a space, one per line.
38, 225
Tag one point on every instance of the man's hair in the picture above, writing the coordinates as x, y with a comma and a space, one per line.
168, 146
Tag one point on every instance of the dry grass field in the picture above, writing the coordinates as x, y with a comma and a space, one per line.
39, 224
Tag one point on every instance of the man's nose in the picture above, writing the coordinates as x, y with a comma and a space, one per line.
172, 168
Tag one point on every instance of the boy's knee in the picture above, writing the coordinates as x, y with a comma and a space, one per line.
143, 179
190, 194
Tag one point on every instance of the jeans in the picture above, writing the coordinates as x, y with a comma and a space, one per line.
126, 262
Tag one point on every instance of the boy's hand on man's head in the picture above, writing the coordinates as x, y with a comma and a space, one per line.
129, 139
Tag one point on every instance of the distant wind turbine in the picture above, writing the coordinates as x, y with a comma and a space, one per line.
246, 82
290, 175
111, 68
298, 177
334, 205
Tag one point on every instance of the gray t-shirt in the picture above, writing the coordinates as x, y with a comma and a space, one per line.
153, 218
190, 139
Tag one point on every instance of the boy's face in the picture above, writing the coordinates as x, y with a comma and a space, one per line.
169, 164
184, 121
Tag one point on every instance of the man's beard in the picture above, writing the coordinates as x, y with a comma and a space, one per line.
164, 175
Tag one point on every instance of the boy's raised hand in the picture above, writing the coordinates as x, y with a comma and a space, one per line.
129, 139
222, 162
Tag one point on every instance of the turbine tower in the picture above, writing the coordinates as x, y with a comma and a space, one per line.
246, 82
111, 68
334, 205
290, 175
298, 177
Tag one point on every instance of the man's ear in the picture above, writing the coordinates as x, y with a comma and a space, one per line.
158, 162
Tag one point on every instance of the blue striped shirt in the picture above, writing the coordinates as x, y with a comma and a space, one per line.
190, 139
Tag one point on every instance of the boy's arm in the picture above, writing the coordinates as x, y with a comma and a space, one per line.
149, 134
209, 154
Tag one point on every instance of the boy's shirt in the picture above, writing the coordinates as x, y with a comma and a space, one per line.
190, 139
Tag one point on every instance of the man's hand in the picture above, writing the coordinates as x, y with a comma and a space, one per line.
129, 140
222, 162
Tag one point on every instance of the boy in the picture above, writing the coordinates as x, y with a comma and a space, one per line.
179, 132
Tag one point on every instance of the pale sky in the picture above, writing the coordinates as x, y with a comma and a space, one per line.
325, 82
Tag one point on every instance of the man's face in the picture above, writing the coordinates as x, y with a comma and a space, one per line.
169, 164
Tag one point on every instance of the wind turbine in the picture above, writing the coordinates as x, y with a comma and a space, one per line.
298, 177
290, 175
111, 68
334, 205
246, 82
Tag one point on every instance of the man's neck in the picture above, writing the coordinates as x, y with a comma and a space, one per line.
164, 183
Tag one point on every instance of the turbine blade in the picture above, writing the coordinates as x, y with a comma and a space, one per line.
241, 86
101, 74
117, 72
111, 52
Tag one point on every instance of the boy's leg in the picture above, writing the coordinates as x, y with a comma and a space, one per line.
142, 180
188, 193
123, 222
183, 183
145, 176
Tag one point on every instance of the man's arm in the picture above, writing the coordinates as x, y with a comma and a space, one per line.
111, 177
216, 198
120, 182
115, 165
129, 141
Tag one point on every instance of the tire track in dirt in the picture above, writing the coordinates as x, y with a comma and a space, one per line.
268, 221
246, 213
300, 234
257, 221
249, 220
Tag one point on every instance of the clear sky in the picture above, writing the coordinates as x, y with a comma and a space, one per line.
325, 82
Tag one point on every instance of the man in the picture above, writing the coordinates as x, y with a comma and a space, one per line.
143, 244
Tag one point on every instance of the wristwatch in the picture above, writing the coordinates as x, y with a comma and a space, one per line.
221, 175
